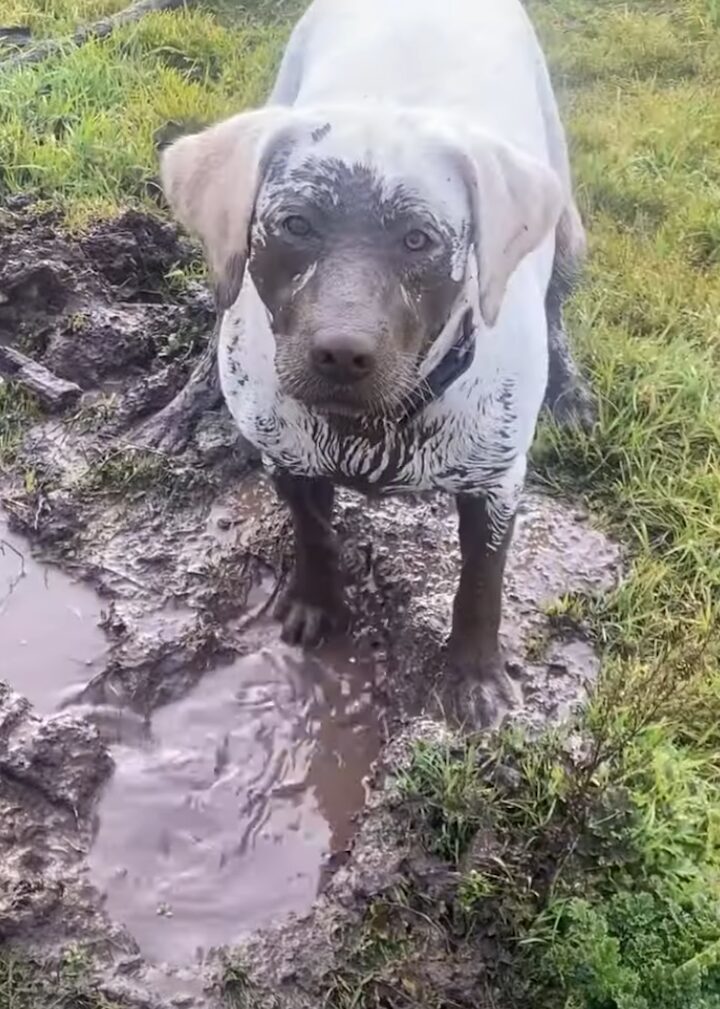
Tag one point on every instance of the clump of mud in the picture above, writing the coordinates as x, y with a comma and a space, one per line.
105, 310
183, 778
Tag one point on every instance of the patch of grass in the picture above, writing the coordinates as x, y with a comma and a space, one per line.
129, 471
379, 969
68, 984
637, 950
17, 410
55, 18
78, 129
235, 987
588, 874
646, 322
94, 415
626, 41
449, 797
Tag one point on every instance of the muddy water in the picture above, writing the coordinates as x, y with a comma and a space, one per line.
50, 640
224, 821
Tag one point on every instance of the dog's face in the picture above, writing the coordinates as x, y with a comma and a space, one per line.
356, 226
358, 249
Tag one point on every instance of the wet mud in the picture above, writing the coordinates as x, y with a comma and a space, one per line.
173, 779
224, 820
102, 310
49, 626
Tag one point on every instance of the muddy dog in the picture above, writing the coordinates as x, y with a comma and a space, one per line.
390, 237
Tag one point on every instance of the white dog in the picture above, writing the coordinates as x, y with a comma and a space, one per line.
383, 235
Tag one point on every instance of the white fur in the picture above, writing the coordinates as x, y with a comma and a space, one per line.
466, 72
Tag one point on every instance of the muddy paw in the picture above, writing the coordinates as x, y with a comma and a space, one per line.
308, 624
480, 695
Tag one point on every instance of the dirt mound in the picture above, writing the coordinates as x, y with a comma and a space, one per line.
111, 305
135, 253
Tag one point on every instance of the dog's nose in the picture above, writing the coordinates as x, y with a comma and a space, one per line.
342, 362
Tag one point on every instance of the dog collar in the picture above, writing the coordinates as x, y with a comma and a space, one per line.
455, 362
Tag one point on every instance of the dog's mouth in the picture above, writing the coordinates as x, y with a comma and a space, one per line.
339, 408
371, 399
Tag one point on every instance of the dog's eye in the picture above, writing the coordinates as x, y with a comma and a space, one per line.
298, 226
417, 240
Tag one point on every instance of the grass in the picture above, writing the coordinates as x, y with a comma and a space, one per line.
129, 473
69, 984
235, 988
596, 876
53, 18
17, 409
78, 130
582, 869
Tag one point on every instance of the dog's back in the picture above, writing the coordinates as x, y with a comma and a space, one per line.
479, 58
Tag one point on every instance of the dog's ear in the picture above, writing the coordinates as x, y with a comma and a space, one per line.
210, 180
516, 202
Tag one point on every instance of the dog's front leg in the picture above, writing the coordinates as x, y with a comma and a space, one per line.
312, 606
481, 688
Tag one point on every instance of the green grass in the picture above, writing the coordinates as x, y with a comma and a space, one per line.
234, 987
78, 129
17, 410
647, 323
53, 18
130, 472
581, 880
68, 984
599, 886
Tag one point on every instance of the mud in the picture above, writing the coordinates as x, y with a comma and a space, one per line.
202, 782
224, 820
102, 308
51, 641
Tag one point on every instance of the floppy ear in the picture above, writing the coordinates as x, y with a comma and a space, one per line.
210, 180
516, 202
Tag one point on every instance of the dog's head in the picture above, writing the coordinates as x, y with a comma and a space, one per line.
356, 225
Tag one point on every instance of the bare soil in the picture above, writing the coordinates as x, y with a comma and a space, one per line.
172, 778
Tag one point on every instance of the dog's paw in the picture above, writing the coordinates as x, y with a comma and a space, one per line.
479, 695
308, 623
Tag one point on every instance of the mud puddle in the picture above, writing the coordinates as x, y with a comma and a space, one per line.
50, 641
225, 819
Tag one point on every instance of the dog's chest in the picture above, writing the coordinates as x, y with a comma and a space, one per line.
443, 453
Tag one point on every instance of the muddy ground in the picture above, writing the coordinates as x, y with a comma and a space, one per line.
173, 780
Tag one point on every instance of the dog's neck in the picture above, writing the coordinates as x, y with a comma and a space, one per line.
455, 362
